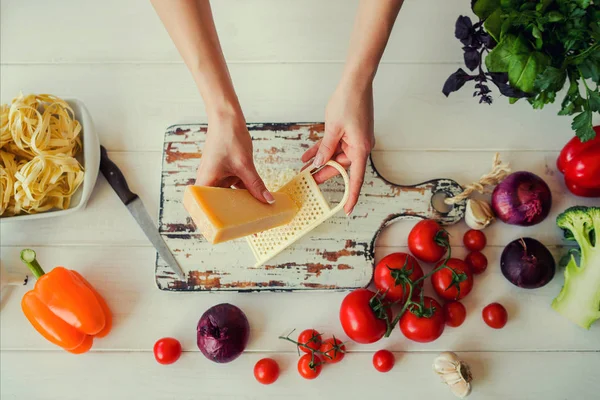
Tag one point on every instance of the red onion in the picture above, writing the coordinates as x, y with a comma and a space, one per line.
222, 333
522, 199
527, 263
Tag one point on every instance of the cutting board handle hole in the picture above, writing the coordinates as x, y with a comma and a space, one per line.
437, 202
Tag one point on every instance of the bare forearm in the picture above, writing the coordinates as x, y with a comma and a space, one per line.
191, 27
372, 29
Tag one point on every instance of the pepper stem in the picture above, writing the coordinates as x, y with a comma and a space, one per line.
28, 257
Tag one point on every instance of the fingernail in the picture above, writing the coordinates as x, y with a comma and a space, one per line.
349, 213
268, 197
318, 161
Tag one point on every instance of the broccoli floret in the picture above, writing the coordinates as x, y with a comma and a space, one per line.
579, 299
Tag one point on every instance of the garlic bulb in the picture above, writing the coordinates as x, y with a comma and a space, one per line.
478, 214
454, 372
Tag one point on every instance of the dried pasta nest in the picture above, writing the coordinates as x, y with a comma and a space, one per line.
39, 139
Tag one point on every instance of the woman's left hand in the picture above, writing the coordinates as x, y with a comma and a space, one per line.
349, 136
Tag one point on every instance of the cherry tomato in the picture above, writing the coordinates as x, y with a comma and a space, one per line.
474, 240
425, 241
446, 284
477, 261
495, 315
424, 326
388, 272
383, 360
309, 339
358, 319
455, 313
266, 371
333, 351
167, 350
308, 370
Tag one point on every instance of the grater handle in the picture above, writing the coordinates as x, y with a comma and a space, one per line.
344, 175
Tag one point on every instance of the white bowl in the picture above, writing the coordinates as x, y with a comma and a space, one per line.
89, 158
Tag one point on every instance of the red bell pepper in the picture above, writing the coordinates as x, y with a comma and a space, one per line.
580, 163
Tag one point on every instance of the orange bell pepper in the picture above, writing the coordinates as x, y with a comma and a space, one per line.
64, 308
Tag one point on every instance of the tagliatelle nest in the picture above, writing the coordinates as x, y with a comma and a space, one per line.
39, 138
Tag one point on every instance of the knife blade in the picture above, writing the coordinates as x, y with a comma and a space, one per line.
136, 208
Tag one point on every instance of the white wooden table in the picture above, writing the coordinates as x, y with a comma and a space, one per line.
285, 59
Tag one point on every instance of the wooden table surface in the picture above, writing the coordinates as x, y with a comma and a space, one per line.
285, 59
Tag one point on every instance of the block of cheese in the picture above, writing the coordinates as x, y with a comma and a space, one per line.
222, 214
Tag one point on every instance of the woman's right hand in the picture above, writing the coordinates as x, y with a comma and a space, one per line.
227, 159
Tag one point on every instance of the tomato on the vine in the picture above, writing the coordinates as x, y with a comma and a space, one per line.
383, 360
428, 241
495, 315
307, 369
423, 324
391, 275
266, 371
362, 316
453, 282
455, 313
309, 339
477, 261
474, 240
333, 351
167, 350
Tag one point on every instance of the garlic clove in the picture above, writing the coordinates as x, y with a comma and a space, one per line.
454, 372
478, 214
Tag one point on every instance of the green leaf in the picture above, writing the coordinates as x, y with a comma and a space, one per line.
498, 59
583, 3
590, 69
484, 8
552, 79
594, 100
493, 24
513, 100
582, 125
542, 5
536, 32
555, 16
524, 69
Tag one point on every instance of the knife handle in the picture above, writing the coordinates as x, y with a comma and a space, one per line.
115, 178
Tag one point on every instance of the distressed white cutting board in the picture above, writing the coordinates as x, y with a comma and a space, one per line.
336, 255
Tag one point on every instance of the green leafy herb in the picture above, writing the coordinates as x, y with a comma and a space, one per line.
532, 49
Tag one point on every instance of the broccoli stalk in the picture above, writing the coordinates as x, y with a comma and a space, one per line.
579, 299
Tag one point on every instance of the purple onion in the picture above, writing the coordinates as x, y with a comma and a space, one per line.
222, 333
522, 198
527, 263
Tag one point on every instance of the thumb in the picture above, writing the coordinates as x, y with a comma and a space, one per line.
327, 147
255, 185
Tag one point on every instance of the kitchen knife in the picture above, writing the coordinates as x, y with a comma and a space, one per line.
134, 204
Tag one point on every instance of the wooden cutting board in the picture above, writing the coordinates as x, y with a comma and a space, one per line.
336, 255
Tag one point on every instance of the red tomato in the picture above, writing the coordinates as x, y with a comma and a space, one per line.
477, 261
495, 315
388, 272
266, 371
383, 360
309, 339
455, 313
167, 350
358, 319
447, 285
308, 370
474, 240
333, 351
426, 241
425, 326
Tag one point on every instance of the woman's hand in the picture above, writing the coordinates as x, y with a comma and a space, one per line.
349, 136
227, 158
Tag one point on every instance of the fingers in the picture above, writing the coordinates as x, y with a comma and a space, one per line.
357, 176
310, 153
329, 172
327, 148
255, 184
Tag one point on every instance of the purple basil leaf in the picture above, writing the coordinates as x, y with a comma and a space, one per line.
509, 91
498, 77
455, 81
471, 56
463, 27
487, 41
